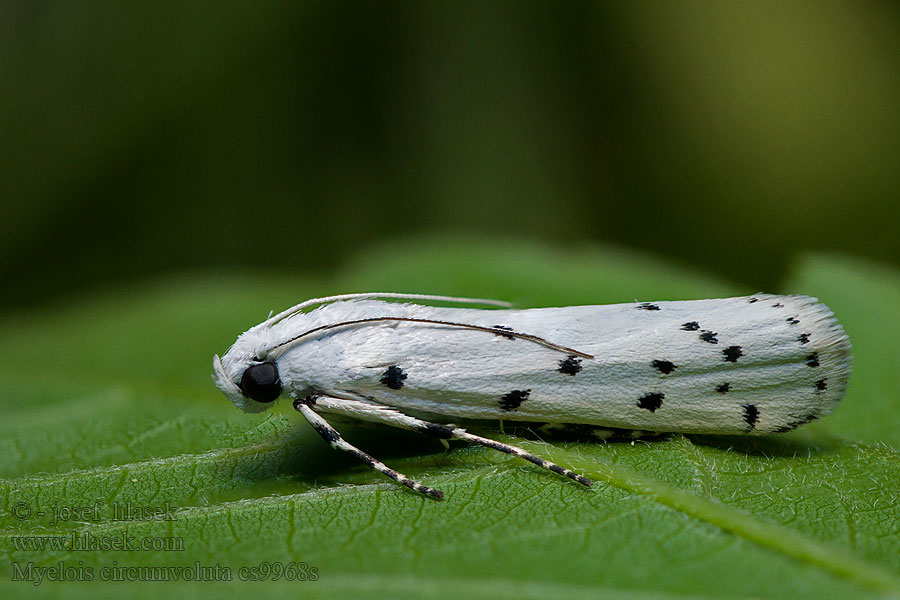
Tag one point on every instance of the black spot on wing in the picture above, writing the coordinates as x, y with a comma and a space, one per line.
663, 366
503, 328
692, 326
778, 305
514, 399
803, 338
752, 300
821, 385
724, 388
751, 415
732, 353
393, 377
792, 320
812, 360
651, 401
648, 306
709, 336
570, 365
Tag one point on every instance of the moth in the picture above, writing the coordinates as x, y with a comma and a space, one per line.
749, 365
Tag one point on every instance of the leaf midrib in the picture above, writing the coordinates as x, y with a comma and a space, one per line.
739, 522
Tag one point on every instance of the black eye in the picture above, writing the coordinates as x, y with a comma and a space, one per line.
261, 382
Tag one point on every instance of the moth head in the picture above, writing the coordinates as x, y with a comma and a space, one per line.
247, 376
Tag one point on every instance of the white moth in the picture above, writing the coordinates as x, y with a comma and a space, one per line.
750, 365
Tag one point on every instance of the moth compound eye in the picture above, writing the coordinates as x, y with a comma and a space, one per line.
261, 382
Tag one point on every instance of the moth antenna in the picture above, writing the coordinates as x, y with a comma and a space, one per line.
505, 332
396, 295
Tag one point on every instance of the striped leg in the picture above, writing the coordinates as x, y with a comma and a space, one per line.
330, 435
370, 411
462, 434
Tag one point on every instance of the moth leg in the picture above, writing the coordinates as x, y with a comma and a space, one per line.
462, 434
330, 435
370, 411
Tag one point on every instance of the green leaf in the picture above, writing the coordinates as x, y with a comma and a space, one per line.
111, 415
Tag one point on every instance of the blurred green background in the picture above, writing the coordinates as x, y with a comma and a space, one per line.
138, 138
